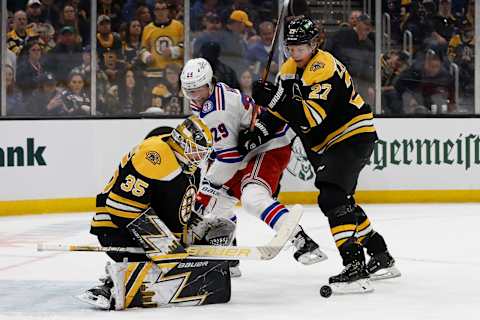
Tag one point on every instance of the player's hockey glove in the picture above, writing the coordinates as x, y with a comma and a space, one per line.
249, 140
268, 94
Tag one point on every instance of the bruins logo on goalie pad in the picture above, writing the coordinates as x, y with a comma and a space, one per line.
188, 283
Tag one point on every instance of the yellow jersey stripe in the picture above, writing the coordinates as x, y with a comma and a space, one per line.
340, 242
101, 209
129, 202
363, 225
318, 108
124, 214
103, 224
370, 128
308, 115
315, 114
342, 228
367, 116
361, 240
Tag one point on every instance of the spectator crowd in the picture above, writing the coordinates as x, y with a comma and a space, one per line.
140, 48
421, 79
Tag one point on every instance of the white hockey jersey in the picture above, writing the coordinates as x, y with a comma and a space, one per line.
226, 113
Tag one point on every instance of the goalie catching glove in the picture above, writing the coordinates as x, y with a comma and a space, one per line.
215, 231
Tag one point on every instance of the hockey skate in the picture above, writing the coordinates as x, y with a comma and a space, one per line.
353, 279
382, 266
308, 251
107, 295
99, 296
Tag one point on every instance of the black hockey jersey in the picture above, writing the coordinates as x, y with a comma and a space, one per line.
326, 109
148, 176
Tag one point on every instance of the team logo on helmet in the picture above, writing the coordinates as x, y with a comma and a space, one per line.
153, 157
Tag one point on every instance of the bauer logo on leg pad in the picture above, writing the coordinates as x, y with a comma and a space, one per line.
192, 264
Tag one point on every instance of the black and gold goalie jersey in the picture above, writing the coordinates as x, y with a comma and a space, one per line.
325, 108
148, 176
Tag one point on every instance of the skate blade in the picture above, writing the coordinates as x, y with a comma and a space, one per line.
313, 257
359, 286
97, 301
387, 273
235, 272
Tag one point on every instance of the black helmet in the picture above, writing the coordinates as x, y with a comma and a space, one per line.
301, 30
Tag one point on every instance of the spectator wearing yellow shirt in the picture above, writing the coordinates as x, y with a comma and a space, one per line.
17, 38
162, 39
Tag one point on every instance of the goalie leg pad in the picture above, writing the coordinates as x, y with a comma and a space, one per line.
188, 283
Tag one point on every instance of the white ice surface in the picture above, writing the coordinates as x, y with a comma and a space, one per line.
436, 248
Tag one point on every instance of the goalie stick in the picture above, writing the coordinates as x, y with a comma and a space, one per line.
267, 251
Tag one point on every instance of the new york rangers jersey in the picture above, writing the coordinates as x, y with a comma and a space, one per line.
226, 112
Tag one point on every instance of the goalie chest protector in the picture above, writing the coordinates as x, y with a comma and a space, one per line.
148, 176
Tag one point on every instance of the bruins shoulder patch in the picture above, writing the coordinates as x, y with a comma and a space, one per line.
316, 66
153, 157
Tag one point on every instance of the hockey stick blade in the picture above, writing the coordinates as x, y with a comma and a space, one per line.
264, 252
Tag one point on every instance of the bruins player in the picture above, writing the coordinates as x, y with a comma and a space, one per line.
160, 173
162, 39
317, 98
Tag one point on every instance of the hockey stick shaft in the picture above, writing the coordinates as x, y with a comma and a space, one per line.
256, 110
193, 252
266, 252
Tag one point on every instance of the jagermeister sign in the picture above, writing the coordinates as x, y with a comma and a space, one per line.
464, 151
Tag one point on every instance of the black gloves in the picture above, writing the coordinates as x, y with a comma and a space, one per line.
249, 140
268, 94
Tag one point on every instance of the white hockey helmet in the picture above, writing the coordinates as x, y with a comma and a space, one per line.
196, 73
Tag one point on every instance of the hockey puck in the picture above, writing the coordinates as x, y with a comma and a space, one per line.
325, 291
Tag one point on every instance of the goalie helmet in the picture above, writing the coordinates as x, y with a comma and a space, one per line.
196, 73
191, 141
301, 30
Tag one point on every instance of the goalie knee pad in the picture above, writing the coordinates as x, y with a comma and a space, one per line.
188, 283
